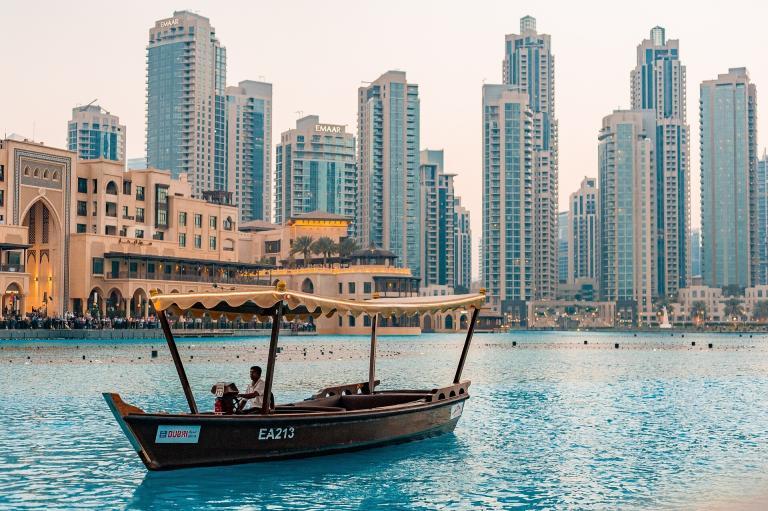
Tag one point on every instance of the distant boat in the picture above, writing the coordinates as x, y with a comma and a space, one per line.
337, 418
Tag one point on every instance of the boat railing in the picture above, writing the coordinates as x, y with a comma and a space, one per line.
343, 390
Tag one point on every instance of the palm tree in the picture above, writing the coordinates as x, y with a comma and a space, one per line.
347, 247
699, 311
760, 312
303, 245
325, 246
733, 308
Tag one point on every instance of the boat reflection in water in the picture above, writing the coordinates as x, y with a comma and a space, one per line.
344, 481
339, 418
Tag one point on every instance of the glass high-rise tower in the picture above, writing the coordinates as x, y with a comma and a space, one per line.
729, 187
507, 242
582, 231
437, 221
530, 66
95, 133
249, 148
316, 171
761, 220
626, 205
389, 209
658, 84
186, 102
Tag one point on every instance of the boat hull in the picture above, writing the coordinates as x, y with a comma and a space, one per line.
165, 441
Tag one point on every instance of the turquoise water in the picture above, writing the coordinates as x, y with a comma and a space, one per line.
551, 424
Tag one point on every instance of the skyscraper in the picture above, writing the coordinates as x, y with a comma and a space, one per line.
695, 252
316, 170
437, 221
249, 149
658, 84
582, 231
530, 66
388, 164
729, 187
186, 111
761, 225
462, 248
562, 247
507, 249
627, 186
95, 133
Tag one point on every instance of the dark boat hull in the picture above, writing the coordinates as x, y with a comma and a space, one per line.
166, 441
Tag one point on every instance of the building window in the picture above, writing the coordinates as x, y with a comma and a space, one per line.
366, 320
212, 242
228, 224
198, 220
182, 239
161, 206
2, 172
110, 230
272, 247
367, 287
111, 209
81, 228
125, 212
97, 266
182, 219
351, 321
198, 241
212, 221
140, 233
82, 185
2, 198
126, 187
140, 215
82, 208
341, 288
139, 193
351, 286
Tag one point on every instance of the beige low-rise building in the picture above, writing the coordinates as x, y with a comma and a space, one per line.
87, 236
698, 304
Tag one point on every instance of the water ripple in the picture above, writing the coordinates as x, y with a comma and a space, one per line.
551, 424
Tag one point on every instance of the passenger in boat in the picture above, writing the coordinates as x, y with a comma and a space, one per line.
253, 396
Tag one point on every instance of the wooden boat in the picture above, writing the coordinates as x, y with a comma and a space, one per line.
339, 418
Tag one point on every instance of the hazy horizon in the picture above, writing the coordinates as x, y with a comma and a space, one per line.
316, 55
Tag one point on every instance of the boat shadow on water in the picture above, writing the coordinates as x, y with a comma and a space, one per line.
357, 477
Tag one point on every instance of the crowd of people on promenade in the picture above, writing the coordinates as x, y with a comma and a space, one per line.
38, 319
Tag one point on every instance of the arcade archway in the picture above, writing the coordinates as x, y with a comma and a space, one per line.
44, 256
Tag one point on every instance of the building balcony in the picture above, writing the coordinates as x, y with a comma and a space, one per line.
218, 278
12, 268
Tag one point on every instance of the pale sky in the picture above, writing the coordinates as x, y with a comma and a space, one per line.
57, 55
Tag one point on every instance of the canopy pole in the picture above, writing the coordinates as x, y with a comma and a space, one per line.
464, 352
265, 408
177, 361
372, 362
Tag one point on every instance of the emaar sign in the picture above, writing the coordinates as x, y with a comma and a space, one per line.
329, 128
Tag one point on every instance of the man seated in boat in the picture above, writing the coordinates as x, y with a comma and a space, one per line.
253, 396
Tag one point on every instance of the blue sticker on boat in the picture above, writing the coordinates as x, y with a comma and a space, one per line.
177, 434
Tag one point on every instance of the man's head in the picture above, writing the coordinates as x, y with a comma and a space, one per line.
255, 373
